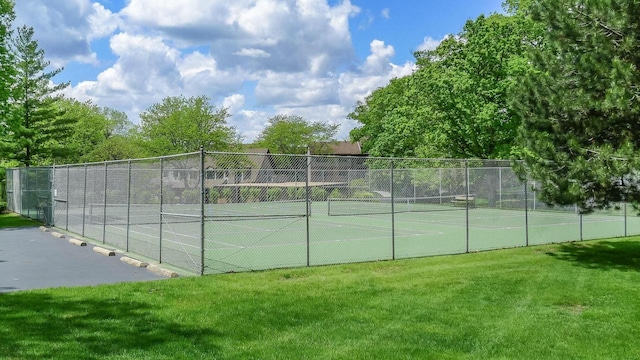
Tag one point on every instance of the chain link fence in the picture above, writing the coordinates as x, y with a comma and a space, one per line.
227, 212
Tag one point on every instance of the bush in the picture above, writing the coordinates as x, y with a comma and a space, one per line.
335, 194
226, 193
191, 196
274, 194
358, 183
363, 195
249, 194
212, 196
318, 194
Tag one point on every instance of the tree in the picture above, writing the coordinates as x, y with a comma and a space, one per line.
7, 69
394, 119
579, 104
470, 78
117, 147
94, 126
37, 130
182, 125
456, 103
292, 134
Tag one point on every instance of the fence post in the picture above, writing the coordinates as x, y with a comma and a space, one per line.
128, 202
625, 218
104, 212
466, 180
161, 201
393, 216
526, 212
84, 200
28, 193
500, 186
66, 225
308, 192
202, 204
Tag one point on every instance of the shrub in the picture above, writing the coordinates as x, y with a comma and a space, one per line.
363, 194
249, 194
274, 194
191, 196
226, 193
318, 194
335, 194
212, 195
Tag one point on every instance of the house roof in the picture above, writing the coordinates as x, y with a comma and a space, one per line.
338, 148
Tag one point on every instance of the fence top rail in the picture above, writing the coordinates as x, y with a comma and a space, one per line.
363, 157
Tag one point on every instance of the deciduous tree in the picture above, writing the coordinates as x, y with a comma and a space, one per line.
181, 125
292, 134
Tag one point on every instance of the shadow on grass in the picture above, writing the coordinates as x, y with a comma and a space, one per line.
38, 326
619, 255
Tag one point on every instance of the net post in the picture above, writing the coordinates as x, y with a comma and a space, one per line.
161, 201
128, 202
104, 206
466, 180
393, 217
202, 201
66, 225
84, 200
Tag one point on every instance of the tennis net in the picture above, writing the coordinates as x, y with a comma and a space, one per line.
373, 206
141, 214
256, 210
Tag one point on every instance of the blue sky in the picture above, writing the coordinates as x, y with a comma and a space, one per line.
259, 58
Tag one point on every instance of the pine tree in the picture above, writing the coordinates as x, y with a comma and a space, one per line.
580, 105
38, 128
7, 70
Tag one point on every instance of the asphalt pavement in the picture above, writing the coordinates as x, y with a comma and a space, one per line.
33, 259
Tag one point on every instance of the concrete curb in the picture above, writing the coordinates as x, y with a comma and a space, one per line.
160, 271
103, 251
77, 242
44, 229
57, 234
134, 262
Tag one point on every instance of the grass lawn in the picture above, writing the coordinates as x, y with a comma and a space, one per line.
566, 301
8, 220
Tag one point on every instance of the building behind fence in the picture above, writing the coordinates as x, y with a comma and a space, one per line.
222, 212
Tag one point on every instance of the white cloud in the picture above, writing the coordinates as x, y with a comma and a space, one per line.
255, 53
65, 28
255, 57
385, 13
380, 58
233, 103
430, 43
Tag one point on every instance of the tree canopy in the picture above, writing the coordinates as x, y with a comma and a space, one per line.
292, 134
182, 125
579, 104
456, 103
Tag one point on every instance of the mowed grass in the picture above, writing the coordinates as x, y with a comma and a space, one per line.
10, 220
565, 301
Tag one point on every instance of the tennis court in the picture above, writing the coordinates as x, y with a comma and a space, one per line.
269, 243
222, 212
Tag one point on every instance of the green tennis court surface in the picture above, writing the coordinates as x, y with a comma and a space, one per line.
261, 242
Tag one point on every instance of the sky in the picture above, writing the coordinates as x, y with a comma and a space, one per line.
258, 58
